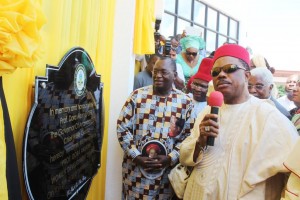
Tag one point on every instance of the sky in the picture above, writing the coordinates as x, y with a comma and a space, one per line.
273, 30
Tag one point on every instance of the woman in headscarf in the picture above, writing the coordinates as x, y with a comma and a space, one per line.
190, 58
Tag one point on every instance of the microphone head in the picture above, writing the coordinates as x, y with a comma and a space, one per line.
215, 99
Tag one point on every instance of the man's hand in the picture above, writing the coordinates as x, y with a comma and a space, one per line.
183, 34
208, 127
165, 161
157, 163
141, 160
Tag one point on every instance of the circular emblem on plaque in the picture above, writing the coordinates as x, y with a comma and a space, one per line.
80, 80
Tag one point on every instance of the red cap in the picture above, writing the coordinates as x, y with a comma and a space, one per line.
204, 71
232, 50
152, 146
215, 99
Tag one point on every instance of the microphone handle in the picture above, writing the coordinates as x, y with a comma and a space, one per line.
211, 140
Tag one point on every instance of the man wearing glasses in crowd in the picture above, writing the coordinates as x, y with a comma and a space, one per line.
199, 86
175, 44
146, 117
261, 85
252, 138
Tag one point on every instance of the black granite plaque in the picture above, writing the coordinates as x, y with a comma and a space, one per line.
63, 136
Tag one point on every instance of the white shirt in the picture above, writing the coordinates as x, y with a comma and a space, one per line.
180, 72
286, 103
198, 107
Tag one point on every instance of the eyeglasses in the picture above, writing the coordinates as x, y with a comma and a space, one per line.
228, 69
191, 53
257, 87
163, 73
199, 86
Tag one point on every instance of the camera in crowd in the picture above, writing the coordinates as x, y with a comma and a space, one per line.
162, 46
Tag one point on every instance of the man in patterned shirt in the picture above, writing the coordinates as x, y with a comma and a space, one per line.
147, 118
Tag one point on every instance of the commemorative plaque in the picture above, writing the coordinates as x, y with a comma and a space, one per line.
63, 135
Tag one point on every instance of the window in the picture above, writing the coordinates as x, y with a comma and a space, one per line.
223, 24
169, 5
221, 40
216, 26
211, 19
202, 30
233, 28
181, 24
199, 13
167, 25
210, 41
184, 8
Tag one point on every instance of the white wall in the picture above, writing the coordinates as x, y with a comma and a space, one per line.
121, 86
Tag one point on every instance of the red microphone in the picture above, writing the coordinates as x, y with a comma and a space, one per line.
215, 100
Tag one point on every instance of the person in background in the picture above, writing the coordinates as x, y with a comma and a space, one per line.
260, 61
188, 89
175, 43
140, 63
173, 55
144, 78
292, 163
189, 58
146, 116
296, 111
179, 81
261, 84
160, 41
199, 86
252, 139
286, 100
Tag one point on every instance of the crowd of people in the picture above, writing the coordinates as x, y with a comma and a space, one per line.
256, 150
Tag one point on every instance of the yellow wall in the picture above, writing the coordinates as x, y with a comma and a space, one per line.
85, 23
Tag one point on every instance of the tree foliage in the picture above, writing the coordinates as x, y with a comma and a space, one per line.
281, 90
